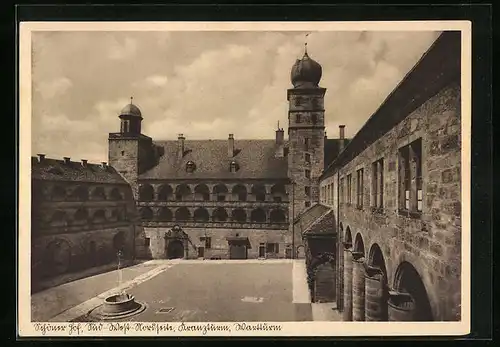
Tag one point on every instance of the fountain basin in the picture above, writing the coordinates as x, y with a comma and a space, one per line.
119, 304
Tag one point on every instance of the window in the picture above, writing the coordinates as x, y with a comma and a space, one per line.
307, 203
123, 153
147, 242
208, 242
307, 158
359, 188
298, 101
306, 143
342, 190
308, 191
190, 166
233, 166
307, 173
410, 177
378, 184
349, 189
272, 248
314, 118
297, 119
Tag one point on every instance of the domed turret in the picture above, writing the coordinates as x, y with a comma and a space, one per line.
306, 73
131, 110
131, 118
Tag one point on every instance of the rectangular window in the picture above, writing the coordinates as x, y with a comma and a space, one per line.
359, 188
342, 190
308, 173
410, 177
349, 189
147, 241
308, 191
378, 184
307, 158
306, 144
272, 248
208, 242
307, 203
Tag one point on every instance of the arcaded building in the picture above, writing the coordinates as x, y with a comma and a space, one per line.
227, 198
82, 215
395, 192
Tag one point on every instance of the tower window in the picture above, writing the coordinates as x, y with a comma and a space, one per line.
306, 144
190, 166
308, 191
314, 118
297, 119
307, 158
307, 173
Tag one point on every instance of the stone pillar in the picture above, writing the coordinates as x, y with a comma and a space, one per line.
375, 295
358, 287
347, 313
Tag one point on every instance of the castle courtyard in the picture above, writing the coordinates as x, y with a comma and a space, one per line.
193, 291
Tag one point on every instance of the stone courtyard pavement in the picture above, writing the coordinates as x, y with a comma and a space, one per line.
194, 291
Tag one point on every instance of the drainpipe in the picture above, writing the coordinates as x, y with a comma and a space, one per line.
293, 221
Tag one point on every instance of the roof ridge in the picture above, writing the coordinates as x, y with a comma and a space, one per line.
318, 220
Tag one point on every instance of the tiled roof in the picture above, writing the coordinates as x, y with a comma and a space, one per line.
255, 159
304, 220
58, 170
323, 225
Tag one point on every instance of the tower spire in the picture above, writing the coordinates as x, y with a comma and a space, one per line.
131, 99
305, 44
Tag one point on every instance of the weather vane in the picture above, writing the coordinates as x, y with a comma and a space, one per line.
305, 43
131, 98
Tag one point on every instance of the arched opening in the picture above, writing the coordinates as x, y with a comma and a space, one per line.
407, 280
182, 192
359, 246
175, 249
239, 192
119, 242
376, 286
219, 215
58, 193
220, 191
146, 192
58, 257
201, 193
81, 216
201, 215
182, 214
166, 193
146, 213
165, 214
59, 219
277, 216
258, 216
115, 194
376, 258
348, 237
81, 193
239, 215
259, 192
117, 214
98, 193
278, 192
99, 216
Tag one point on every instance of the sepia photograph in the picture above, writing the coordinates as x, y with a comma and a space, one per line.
226, 179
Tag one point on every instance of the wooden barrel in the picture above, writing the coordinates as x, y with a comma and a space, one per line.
401, 307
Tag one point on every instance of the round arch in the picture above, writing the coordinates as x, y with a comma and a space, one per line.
81, 193
259, 191
146, 213
201, 192
182, 192
201, 215
146, 192
182, 214
99, 216
277, 216
219, 215
258, 216
98, 193
165, 193
165, 214
359, 245
238, 215
408, 280
81, 215
115, 194
240, 192
376, 258
348, 236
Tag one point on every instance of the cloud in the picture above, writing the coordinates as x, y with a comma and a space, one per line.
204, 84
53, 88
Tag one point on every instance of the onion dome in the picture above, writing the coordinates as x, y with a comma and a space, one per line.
306, 72
131, 110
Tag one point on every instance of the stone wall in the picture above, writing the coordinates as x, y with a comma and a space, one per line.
219, 244
431, 240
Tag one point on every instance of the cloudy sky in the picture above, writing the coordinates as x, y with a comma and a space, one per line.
203, 84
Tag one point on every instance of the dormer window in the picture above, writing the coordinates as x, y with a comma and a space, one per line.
190, 167
233, 166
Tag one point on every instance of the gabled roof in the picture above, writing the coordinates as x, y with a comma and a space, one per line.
304, 220
256, 159
59, 170
324, 225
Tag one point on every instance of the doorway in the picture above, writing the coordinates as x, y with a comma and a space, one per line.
201, 252
262, 250
237, 252
175, 250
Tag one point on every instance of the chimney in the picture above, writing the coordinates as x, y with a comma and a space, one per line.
41, 157
230, 146
67, 160
280, 136
104, 165
180, 146
84, 162
341, 138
